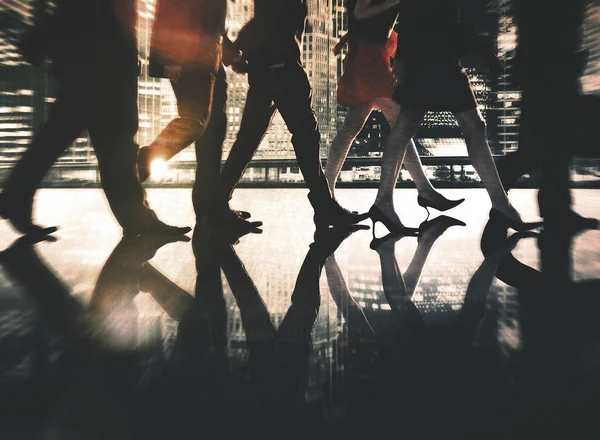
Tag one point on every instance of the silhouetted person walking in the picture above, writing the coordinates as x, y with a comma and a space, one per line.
537, 75
270, 42
190, 47
548, 64
92, 47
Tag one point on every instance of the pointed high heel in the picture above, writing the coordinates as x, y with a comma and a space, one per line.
378, 216
444, 220
519, 226
444, 206
377, 242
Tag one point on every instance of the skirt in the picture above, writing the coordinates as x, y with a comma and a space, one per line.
436, 85
368, 73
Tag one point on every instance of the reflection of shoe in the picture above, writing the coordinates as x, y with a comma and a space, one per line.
443, 222
578, 223
19, 215
327, 240
330, 213
517, 225
377, 242
377, 215
445, 205
144, 162
229, 225
154, 226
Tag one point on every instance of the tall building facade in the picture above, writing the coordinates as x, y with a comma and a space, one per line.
26, 92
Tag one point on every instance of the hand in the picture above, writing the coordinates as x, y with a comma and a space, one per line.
172, 72
399, 72
230, 53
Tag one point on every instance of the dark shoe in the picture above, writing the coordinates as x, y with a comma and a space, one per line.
144, 163
578, 223
445, 205
244, 215
231, 226
378, 216
517, 225
443, 222
155, 227
327, 240
377, 242
19, 215
330, 213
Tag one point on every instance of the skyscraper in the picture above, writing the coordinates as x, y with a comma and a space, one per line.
26, 92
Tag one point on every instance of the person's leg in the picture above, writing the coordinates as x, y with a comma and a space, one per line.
256, 118
474, 129
412, 161
394, 149
292, 95
353, 123
209, 148
112, 125
194, 94
65, 123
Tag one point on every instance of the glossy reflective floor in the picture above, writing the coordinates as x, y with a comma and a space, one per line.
452, 334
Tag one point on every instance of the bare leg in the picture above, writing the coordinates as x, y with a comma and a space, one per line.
394, 149
353, 124
412, 161
474, 129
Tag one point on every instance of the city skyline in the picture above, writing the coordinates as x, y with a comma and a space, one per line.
26, 93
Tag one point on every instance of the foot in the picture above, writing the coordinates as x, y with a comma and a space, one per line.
329, 239
511, 218
144, 162
154, 226
19, 215
333, 214
387, 215
437, 201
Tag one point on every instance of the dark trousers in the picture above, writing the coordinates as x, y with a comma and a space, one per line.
209, 147
286, 89
104, 103
194, 94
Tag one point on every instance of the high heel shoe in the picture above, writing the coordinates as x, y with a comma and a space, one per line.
377, 242
377, 215
517, 225
443, 220
444, 206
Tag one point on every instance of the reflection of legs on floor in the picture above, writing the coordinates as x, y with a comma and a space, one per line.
353, 315
256, 318
394, 150
173, 299
353, 123
429, 232
394, 287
